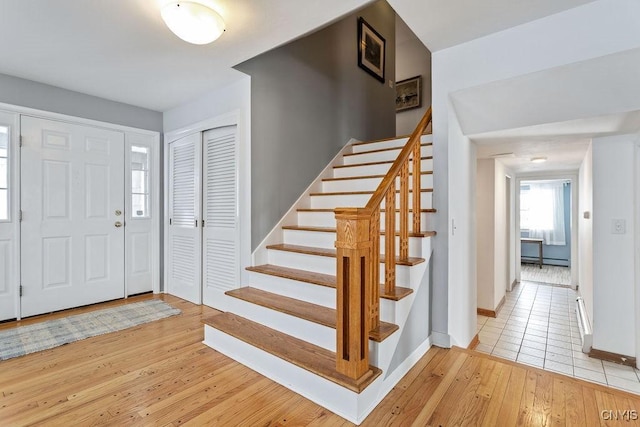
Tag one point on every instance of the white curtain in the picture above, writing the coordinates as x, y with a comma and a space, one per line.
546, 212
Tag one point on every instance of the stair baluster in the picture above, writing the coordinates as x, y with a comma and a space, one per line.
358, 247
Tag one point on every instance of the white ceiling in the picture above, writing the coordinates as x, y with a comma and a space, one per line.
444, 23
549, 113
121, 49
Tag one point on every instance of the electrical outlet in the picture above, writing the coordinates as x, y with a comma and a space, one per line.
618, 226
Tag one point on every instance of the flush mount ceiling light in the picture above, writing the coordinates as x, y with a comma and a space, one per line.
193, 22
538, 159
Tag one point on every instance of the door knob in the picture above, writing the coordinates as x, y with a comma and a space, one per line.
118, 224
118, 212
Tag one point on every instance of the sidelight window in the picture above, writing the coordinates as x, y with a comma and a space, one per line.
4, 173
140, 185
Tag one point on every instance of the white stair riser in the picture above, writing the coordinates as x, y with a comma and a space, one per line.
350, 405
370, 184
400, 142
360, 200
327, 240
309, 292
328, 219
380, 156
326, 265
380, 169
314, 333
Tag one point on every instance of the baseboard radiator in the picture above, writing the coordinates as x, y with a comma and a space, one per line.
586, 334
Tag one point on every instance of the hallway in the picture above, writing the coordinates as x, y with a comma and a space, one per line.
537, 326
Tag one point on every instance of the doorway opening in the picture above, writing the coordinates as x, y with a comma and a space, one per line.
545, 231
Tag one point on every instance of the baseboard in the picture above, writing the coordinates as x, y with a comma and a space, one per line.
474, 343
613, 357
485, 312
491, 313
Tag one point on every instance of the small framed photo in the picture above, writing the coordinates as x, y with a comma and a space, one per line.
371, 50
409, 94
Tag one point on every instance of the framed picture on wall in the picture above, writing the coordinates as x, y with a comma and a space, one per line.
409, 94
371, 50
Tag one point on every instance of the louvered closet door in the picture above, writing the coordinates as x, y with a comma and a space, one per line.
220, 213
184, 265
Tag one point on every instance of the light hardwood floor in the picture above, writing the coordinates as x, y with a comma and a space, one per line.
161, 374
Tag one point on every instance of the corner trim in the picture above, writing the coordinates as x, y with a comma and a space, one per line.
613, 357
474, 343
491, 313
440, 339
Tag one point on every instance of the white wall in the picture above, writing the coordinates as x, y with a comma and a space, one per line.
501, 249
494, 254
235, 96
485, 242
596, 29
614, 254
585, 231
462, 300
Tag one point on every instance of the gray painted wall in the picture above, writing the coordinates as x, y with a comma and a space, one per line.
308, 98
27, 93
412, 59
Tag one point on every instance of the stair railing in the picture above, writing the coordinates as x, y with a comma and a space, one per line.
358, 254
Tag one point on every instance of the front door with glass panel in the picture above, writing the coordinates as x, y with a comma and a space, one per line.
72, 232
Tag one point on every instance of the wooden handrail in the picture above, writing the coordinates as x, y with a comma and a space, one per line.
403, 157
358, 255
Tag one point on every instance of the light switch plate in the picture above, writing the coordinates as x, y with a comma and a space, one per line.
618, 226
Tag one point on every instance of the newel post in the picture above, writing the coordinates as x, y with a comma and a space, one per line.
353, 253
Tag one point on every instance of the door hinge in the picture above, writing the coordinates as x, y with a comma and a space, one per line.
196, 223
20, 290
169, 221
20, 215
203, 223
20, 141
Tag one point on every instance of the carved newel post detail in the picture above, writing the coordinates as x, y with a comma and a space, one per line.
353, 250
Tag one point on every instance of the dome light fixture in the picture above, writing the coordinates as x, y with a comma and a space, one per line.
193, 22
538, 159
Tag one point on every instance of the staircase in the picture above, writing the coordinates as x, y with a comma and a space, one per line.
285, 322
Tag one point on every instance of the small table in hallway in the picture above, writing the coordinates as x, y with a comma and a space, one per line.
539, 243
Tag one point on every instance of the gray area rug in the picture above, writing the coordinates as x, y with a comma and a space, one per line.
52, 333
547, 274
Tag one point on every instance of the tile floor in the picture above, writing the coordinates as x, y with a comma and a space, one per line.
537, 326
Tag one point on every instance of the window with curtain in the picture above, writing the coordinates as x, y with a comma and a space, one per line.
542, 211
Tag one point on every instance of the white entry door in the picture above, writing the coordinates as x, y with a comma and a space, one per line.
221, 242
72, 200
185, 237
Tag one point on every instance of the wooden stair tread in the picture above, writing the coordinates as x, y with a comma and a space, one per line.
314, 359
333, 230
326, 280
332, 253
333, 210
393, 138
381, 150
377, 163
352, 193
369, 176
305, 310
295, 274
